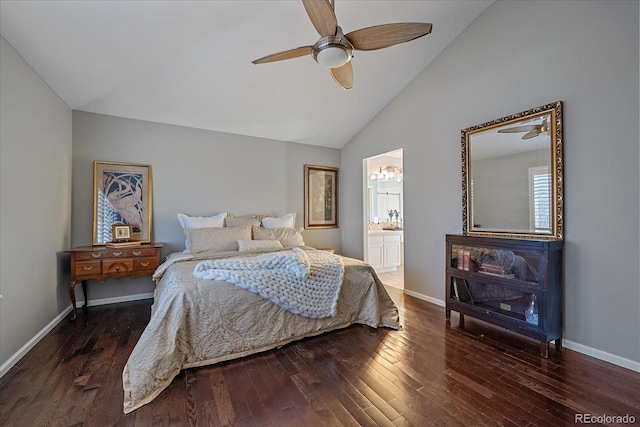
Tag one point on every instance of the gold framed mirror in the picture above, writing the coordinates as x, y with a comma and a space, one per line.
512, 176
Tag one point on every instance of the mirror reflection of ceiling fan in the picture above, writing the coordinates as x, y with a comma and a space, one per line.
335, 49
531, 130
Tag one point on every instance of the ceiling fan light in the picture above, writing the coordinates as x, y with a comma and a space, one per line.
333, 57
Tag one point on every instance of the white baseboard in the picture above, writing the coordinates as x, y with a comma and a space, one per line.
602, 355
32, 342
424, 297
580, 348
116, 300
59, 318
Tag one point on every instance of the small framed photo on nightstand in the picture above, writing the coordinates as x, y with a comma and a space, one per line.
122, 232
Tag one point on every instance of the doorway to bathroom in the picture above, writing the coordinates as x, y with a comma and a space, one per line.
383, 216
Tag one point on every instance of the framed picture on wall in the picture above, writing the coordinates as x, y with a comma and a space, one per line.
320, 197
122, 194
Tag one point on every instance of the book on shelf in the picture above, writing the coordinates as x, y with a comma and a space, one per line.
125, 244
498, 274
466, 259
461, 291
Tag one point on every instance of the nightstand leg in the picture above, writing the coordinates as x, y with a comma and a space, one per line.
72, 297
86, 296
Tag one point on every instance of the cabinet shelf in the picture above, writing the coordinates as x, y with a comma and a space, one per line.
494, 280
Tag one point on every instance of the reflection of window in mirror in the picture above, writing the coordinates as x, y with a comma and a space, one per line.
540, 199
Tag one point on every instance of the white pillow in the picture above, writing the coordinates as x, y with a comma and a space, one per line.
289, 237
286, 221
200, 222
259, 245
215, 238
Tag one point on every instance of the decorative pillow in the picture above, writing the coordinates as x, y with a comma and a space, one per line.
232, 221
200, 222
215, 238
286, 221
259, 245
287, 236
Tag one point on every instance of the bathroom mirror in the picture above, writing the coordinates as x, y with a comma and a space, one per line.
512, 175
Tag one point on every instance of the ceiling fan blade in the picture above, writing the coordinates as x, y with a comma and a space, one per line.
531, 134
516, 129
322, 16
386, 35
343, 75
287, 54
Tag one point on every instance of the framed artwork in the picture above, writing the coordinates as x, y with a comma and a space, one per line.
121, 232
320, 197
122, 195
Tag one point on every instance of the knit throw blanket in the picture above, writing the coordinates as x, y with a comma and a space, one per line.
305, 283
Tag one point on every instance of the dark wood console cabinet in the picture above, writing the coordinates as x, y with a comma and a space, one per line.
494, 279
101, 263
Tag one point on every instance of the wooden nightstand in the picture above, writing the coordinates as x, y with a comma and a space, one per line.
101, 263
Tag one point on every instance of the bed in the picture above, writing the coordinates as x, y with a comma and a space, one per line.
197, 321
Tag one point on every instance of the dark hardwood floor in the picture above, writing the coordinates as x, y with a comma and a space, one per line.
427, 374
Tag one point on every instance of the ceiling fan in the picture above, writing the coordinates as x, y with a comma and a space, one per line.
531, 130
335, 49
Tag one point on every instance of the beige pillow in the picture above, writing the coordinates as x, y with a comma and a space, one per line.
215, 239
242, 221
287, 236
187, 221
259, 245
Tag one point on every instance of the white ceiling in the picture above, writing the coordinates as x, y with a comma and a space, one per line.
189, 62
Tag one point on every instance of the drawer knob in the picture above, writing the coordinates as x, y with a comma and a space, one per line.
87, 268
145, 264
117, 253
96, 255
137, 253
117, 268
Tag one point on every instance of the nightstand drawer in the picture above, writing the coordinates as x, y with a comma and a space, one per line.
117, 265
140, 252
87, 268
88, 255
148, 263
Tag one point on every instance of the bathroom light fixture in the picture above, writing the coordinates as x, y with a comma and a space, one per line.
388, 173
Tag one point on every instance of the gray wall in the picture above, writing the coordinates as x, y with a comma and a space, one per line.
196, 172
35, 183
515, 56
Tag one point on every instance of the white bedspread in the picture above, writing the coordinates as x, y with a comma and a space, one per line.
304, 283
196, 322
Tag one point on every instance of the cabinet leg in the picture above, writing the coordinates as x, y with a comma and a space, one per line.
544, 349
461, 323
447, 315
559, 344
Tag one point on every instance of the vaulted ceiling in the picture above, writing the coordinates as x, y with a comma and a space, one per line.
188, 63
